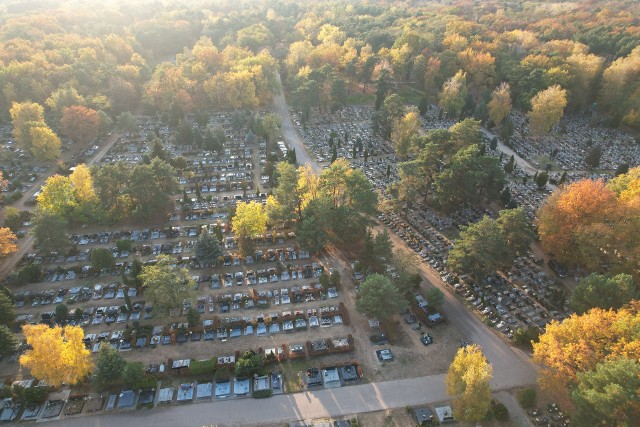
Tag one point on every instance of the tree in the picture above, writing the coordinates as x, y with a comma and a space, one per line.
102, 259
576, 220
81, 124
592, 160
193, 317
133, 374
491, 244
250, 219
608, 394
82, 183
547, 108
57, 196
184, 133
45, 144
580, 342
50, 232
8, 242
57, 354
23, 116
127, 122
207, 248
286, 205
249, 364
500, 104
435, 297
601, 291
379, 298
167, 286
7, 311
8, 341
454, 94
109, 367
479, 249
404, 130
508, 167
517, 233
62, 313
469, 178
468, 382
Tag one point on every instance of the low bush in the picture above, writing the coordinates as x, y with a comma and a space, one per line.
262, 394
528, 397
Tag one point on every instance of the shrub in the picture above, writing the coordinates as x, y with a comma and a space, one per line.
262, 394
499, 411
528, 397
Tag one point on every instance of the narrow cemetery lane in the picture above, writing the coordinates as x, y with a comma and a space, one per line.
289, 132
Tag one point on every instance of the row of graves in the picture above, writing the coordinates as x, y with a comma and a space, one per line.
199, 381
348, 131
572, 140
212, 329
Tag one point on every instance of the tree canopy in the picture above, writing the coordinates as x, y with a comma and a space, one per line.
379, 298
166, 285
57, 354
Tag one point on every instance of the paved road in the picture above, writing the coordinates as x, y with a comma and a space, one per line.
25, 244
290, 133
299, 406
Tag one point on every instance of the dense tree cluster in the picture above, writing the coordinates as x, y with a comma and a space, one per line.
109, 192
451, 165
329, 208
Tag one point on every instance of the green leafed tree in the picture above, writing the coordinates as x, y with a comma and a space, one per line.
8, 341
602, 291
608, 394
7, 312
379, 298
207, 248
109, 367
167, 285
102, 258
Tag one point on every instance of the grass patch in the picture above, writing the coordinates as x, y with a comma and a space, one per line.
359, 98
410, 94
202, 367
290, 371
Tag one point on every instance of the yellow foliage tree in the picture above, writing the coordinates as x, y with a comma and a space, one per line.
57, 354
579, 343
250, 219
57, 197
454, 94
82, 182
547, 108
500, 103
45, 144
404, 129
23, 113
7, 242
468, 382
